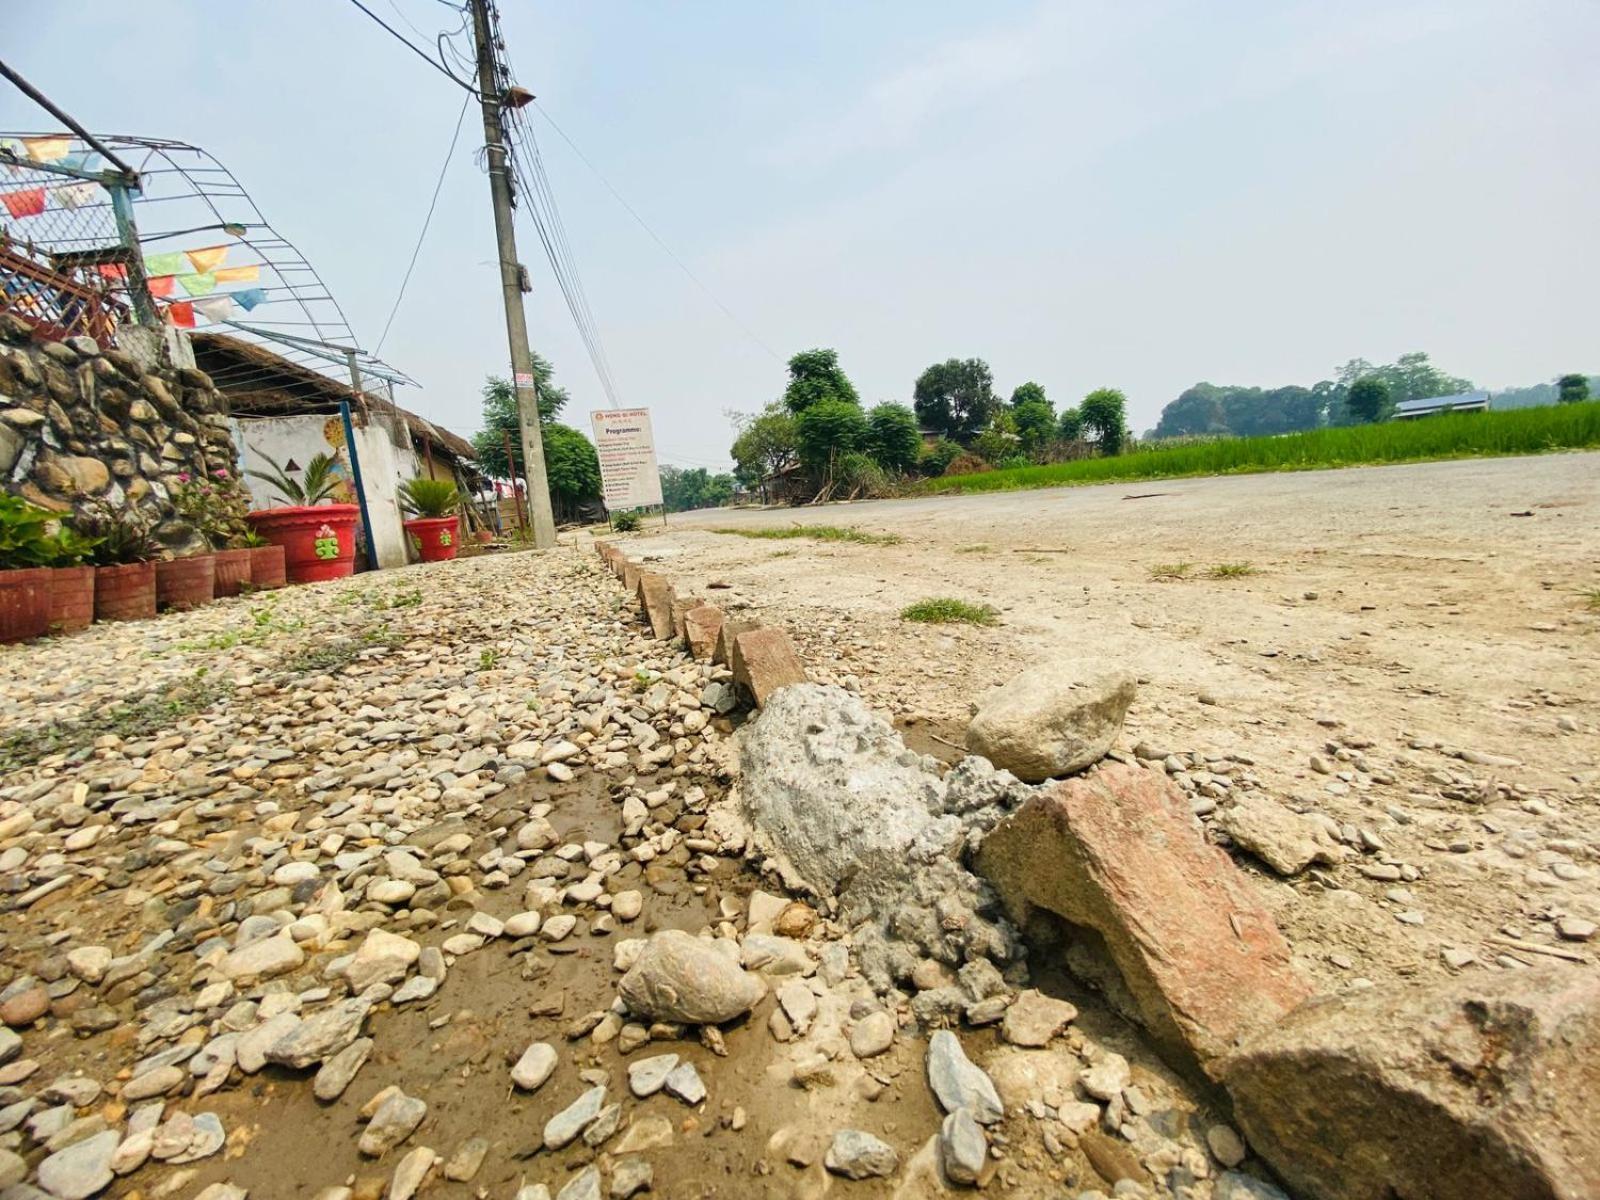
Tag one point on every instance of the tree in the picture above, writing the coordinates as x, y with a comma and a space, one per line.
1104, 415
1573, 389
956, 397
935, 458
893, 440
999, 441
827, 430
1034, 415
815, 375
572, 467
1069, 426
500, 418
683, 488
767, 444
1368, 399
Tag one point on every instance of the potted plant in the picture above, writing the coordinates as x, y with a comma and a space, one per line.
215, 505
434, 525
71, 581
317, 536
266, 562
124, 558
27, 549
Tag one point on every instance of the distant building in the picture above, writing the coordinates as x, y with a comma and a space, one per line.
1410, 410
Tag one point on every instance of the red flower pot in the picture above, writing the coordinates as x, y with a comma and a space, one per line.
125, 593
233, 571
485, 536
24, 603
319, 541
185, 583
436, 536
71, 599
266, 568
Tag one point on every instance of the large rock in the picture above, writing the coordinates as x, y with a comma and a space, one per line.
845, 809
383, 957
1117, 855
679, 977
1486, 1085
1052, 720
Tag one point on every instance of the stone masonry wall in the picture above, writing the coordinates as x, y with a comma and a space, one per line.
78, 422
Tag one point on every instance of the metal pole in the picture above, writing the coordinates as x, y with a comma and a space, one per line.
144, 310
511, 470
45, 103
511, 276
355, 463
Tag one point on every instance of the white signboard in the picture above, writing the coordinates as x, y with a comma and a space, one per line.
628, 474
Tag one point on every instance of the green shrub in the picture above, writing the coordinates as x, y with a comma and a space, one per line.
318, 484
935, 459
627, 521
944, 610
25, 537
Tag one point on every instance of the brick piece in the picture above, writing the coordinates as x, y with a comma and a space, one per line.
730, 630
680, 609
764, 660
630, 576
655, 602
701, 628
1200, 958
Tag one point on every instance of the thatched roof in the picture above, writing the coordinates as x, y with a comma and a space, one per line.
259, 383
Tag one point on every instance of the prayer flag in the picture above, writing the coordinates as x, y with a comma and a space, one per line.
47, 149
27, 202
246, 274
217, 308
181, 314
207, 258
113, 271
198, 285
163, 264
248, 298
161, 285
76, 195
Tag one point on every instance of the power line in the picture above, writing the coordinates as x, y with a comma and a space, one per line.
426, 221
415, 49
643, 224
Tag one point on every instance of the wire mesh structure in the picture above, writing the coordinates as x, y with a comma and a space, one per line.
192, 249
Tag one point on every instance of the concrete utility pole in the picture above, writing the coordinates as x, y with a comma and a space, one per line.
511, 276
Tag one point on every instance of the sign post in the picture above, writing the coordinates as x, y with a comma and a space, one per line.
629, 477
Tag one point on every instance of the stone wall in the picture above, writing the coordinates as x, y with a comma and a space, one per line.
79, 423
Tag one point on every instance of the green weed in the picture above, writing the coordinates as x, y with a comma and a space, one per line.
1233, 570
1167, 572
941, 610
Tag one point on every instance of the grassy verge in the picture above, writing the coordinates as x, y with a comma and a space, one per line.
1458, 435
944, 610
820, 533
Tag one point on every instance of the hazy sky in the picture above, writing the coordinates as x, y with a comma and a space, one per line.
1139, 195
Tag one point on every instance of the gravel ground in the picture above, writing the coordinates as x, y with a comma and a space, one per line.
329, 892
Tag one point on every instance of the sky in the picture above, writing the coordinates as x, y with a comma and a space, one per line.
1140, 194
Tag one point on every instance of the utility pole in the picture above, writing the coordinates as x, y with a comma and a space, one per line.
511, 276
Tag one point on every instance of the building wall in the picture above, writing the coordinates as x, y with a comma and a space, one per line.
383, 467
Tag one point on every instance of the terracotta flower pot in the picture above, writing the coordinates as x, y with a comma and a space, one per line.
484, 535
319, 541
185, 583
24, 603
125, 593
266, 568
71, 599
233, 571
436, 536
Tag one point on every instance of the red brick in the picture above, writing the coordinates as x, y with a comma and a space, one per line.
655, 602
730, 630
680, 609
1118, 852
764, 660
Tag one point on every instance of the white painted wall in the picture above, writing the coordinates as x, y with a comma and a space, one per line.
383, 467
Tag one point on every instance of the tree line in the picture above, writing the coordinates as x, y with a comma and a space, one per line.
1360, 392
818, 441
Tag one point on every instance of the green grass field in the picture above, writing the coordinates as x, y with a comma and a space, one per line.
1459, 435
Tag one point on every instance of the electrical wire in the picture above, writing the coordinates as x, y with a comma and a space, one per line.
415, 49
656, 237
426, 221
